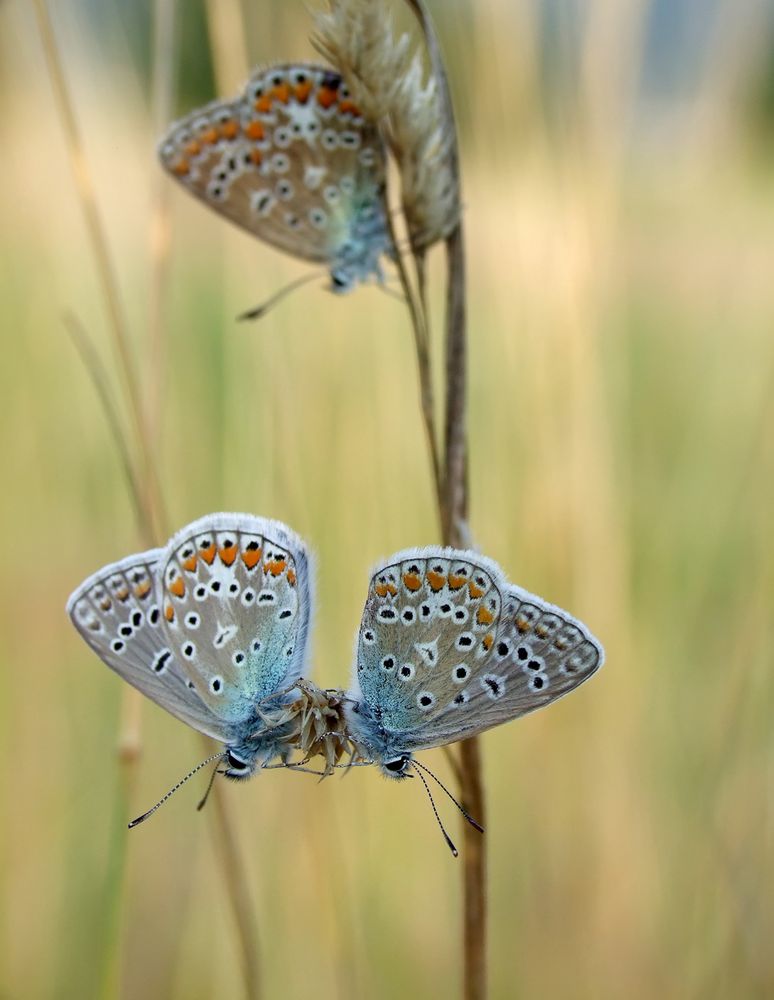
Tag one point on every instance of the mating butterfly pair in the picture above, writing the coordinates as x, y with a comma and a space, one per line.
214, 629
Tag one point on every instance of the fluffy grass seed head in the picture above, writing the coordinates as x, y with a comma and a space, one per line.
389, 84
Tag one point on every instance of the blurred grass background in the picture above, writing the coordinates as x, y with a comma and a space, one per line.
620, 223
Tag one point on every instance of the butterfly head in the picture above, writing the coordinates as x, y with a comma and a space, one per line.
239, 763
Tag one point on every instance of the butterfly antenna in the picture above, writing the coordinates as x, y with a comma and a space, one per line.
200, 805
171, 792
446, 836
260, 311
459, 805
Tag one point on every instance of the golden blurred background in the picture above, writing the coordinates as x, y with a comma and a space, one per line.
620, 224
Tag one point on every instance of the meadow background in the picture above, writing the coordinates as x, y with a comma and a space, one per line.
619, 193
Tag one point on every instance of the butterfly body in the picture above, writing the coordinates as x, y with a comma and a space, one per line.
448, 648
213, 628
293, 162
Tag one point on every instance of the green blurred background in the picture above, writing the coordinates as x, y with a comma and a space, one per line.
620, 222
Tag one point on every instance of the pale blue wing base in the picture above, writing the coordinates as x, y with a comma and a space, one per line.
236, 610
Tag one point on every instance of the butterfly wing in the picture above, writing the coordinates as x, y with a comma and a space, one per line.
236, 609
118, 613
447, 648
292, 161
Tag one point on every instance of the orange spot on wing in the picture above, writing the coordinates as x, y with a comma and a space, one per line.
122, 594
229, 129
106, 604
193, 148
455, 582
251, 557
302, 92
484, 616
347, 107
436, 580
210, 136
208, 554
413, 581
263, 104
142, 589
228, 554
383, 589
326, 97
487, 641
281, 92
254, 130
177, 587
291, 577
190, 563
275, 566
475, 591
256, 157
181, 168
522, 623
169, 612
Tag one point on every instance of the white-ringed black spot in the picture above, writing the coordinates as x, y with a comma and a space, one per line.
248, 596
425, 700
408, 615
282, 138
160, 663
267, 597
192, 620
461, 698
523, 652
205, 543
407, 671
215, 586
154, 615
368, 637
331, 194
347, 184
256, 646
118, 645
460, 673
350, 140
280, 163
285, 613
329, 139
461, 615
494, 686
238, 658
189, 651
388, 662
216, 685
233, 588
200, 592
126, 630
137, 619
503, 648
538, 682
284, 189
386, 615
465, 641
445, 608
535, 665
289, 651
317, 217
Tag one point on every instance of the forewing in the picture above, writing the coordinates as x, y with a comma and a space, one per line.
500, 651
427, 612
292, 161
118, 613
236, 608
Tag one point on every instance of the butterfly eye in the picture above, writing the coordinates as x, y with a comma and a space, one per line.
235, 763
398, 765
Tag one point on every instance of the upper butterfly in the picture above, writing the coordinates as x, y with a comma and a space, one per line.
448, 648
214, 629
293, 162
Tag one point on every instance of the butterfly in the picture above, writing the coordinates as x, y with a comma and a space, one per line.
213, 628
293, 162
447, 648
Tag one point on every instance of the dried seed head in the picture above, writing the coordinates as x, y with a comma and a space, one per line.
391, 88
